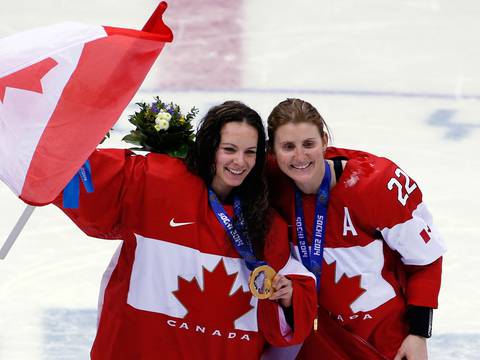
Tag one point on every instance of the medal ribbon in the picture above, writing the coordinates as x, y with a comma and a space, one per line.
238, 234
313, 260
71, 193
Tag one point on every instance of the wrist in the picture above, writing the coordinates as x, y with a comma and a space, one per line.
419, 319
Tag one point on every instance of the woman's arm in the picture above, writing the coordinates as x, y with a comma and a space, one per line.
421, 290
294, 290
100, 214
406, 225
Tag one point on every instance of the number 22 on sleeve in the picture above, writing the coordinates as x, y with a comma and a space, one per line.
402, 194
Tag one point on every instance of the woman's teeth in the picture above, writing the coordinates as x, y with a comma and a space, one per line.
236, 172
301, 166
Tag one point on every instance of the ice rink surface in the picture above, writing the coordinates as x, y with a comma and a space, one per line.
394, 77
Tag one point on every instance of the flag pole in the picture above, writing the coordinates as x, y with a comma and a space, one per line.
17, 229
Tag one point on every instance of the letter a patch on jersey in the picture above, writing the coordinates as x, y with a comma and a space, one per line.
348, 224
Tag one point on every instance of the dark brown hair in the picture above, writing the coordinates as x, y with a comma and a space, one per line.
295, 111
253, 190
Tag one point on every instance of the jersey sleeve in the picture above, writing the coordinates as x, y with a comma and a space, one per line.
116, 176
407, 226
402, 217
423, 284
272, 320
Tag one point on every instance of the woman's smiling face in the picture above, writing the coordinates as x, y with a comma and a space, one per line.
235, 156
299, 151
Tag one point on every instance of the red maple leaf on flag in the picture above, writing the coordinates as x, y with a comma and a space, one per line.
28, 78
342, 294
214, 299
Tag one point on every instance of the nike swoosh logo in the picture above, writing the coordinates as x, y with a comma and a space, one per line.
176, 224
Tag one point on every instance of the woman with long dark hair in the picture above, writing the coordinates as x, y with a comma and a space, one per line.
198, 240
201, 160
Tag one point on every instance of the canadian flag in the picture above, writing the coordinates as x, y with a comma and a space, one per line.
62, 88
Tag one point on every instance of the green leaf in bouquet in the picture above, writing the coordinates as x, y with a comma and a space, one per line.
180, 152
134, 138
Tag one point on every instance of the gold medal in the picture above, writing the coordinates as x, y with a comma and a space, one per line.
260, 282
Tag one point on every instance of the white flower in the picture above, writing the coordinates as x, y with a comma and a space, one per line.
161, 124
162, 115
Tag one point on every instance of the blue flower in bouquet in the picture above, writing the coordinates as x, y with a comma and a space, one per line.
154, 108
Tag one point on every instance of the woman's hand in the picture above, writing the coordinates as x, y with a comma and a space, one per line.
413, 348
283, 291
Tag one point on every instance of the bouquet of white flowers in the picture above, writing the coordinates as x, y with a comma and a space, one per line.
162, 128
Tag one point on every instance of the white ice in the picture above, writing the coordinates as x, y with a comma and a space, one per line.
393, 77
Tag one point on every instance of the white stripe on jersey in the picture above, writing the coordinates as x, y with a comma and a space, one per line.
158, 265
295, 267
364, 261
106, 278
406, 238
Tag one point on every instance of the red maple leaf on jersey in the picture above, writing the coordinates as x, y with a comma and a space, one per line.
341, 294
213, 306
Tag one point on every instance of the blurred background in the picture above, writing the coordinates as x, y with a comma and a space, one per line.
398, 78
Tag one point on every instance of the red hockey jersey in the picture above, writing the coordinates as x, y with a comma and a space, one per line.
177, 288
382, 253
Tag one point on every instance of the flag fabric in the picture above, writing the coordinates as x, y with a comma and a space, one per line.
62, 88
